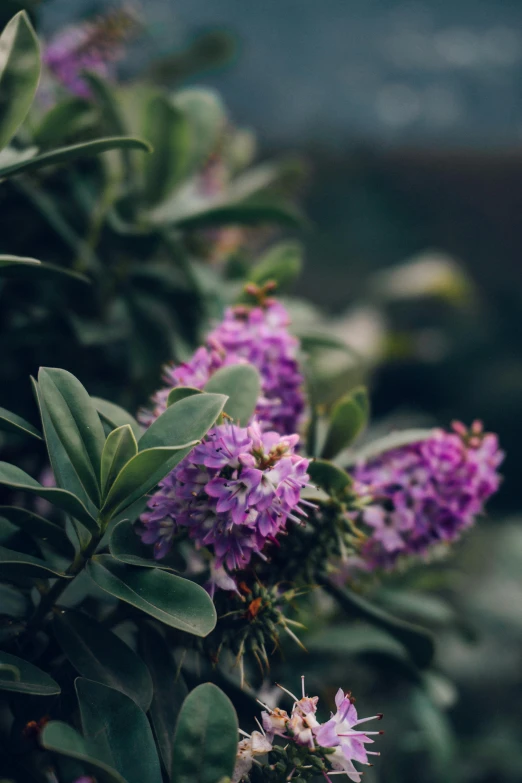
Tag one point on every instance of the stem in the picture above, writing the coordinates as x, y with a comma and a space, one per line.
49, 599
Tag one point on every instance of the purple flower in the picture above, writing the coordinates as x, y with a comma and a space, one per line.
233, 494
425, 493
341, 732
258, 335
91, 46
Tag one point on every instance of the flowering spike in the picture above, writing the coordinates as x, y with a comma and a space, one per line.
419, 495
258, 335
233, 494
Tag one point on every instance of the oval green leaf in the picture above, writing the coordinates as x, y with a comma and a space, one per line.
18, 266
180, 392
120, 447
125, 545
253, 211
10, 422
333, 480
169, 689
168, 129
40, 528
141, 474
77, 425
15, 478
242, 385
32, 680
68, 154
115, 416
393, 440
98, 654
121, 731
206, 739
58, 737
187, 420
7, 261
172, 600
206, 118
13, 564
348, 419
19, 74
65, 475
419, 642
282, 263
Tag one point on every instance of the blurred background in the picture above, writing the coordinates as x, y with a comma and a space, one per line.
408, 116
406, 120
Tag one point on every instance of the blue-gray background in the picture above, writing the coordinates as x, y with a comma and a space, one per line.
431, 72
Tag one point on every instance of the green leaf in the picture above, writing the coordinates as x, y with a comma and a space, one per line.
126, 546
392, 441
187, 420
19, 74
348, 419
206, 739
77, 424
13, 603
180, 392
419, 643
39, 528
169, 689
64, 473
63, 121
282, 263
242, 384
435, 734
7, 261
172, 600
168, 129
16, 266
32, 680
10, 672
312, 342
10, 422
67, 154
13, 564
120, 447
121, 731
254, 211
60, 738
141, 474
15, 478
98, 654
115, 416
356, 640
112, 118
335, 481
206, 118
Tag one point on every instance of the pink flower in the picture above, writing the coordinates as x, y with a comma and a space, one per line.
340, 732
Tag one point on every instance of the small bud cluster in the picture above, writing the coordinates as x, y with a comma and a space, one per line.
425, 493
329, 747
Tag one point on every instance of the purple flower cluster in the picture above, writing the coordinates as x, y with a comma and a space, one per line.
258, 335
92, 46
340, 733
233, 494
425, 493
